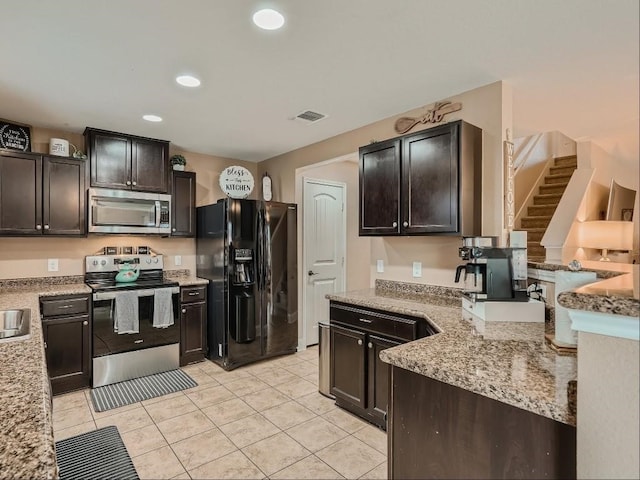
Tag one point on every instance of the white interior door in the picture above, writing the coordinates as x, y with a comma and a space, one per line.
324, 246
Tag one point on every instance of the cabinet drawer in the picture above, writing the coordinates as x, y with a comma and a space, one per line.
54, 306
193, 294
389, 325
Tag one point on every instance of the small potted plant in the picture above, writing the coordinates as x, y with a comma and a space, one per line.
178, 162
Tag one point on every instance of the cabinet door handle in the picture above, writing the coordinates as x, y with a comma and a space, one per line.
359, 342
65, 306
184, 310
311, 273
134, 183
128, 182
46, 227
366, 321
173, 229
405, 224
38, 227
85, 323
395, 224
370, 345
191, 294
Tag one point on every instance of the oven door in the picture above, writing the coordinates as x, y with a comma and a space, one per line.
106, 341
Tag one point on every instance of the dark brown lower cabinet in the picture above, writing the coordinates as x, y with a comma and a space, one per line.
66, 327
440, 431
193, 324
359, 379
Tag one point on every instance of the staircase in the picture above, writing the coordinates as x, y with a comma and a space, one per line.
544, 205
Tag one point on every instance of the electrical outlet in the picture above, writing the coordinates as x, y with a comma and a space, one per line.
380, 266
177, 260
417, 269
52, 264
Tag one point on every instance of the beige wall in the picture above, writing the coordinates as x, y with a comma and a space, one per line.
26, 257
608, 413
487, 107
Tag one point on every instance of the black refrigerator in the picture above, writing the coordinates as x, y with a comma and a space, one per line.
247, 249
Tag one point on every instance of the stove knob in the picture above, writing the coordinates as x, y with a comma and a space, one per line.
95, 262
156, 260
103, 262
148, 260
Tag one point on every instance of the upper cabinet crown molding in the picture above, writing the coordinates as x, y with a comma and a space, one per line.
127, 162
424, 183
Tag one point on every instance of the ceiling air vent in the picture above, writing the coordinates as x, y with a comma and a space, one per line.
310, 116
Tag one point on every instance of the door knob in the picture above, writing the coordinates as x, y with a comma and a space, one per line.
85, 323
38, 227
405, 224
359, 342
134, 183
311, 273
184, 310
370, 345
395, 224
128, 182
46, 227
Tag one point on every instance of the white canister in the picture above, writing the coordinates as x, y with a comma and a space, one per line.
59, 147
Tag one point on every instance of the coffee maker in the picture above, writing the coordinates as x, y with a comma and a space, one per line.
488, 273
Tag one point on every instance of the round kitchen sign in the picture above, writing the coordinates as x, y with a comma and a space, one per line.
236, 182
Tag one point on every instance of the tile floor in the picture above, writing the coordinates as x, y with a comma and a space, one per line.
265, 420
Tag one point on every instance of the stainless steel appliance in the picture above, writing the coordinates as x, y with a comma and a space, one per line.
489, 272
123, 211
247, 251
154, 348
324, 365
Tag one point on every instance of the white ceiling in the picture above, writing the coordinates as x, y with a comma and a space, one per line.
573, 66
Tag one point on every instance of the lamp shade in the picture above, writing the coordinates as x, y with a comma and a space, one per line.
606, 234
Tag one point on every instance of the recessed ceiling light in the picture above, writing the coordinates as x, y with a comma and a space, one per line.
188, 81
268, 19
152, 118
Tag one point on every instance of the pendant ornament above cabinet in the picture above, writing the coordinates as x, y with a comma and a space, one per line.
434, 115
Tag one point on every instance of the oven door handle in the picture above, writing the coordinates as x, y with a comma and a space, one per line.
147, 292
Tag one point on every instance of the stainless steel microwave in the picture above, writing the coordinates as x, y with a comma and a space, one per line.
124, 211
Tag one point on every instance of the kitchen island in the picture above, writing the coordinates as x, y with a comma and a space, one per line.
27, 447
463, 381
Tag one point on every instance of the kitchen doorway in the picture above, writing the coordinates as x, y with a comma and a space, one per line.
324, 250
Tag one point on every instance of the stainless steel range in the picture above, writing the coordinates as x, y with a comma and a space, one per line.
136, 330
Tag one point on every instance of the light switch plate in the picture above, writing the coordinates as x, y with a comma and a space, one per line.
52, 264
417, 269
177, 260
380, 266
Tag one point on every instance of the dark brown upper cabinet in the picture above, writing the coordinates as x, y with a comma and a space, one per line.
183, 204
127, 162
380, 188
42, 195
424, 183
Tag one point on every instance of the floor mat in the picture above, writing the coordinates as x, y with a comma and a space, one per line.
139, 389
97, 454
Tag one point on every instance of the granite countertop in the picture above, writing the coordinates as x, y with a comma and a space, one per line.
618, 295
185, 278
506, 361
26, 427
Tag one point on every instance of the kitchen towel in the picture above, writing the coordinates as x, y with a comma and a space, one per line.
125, 315
162, 308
